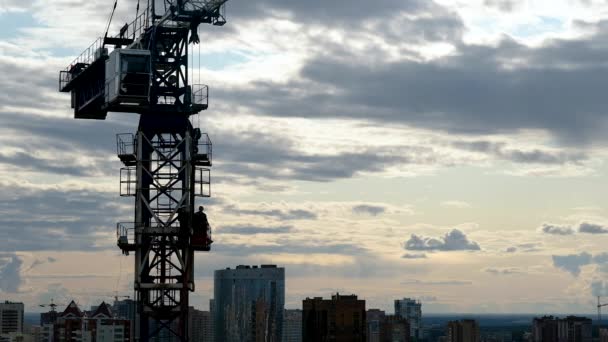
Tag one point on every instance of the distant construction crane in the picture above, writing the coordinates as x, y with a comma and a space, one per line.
51, 305
599, 311
144, 70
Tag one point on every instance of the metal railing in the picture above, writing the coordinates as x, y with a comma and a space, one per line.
93, 52
200, 94
87, 57
125, 144
125, 232
205, 146
202, 182
128, 181
137, 27
64, 79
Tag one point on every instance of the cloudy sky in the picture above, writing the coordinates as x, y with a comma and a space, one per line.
449, 150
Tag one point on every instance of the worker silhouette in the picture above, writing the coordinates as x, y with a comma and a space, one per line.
182, 218
201, 225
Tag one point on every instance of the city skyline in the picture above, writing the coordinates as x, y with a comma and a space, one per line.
449, 151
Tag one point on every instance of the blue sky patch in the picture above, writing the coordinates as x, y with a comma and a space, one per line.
544, 25
13, 22
220, 60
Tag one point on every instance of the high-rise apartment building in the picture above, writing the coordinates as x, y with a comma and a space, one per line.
11, 317
466, 330
394, 329
200, 326
124, 309
374, 318
249, 303
569, 329
292, 326
603, 335
544, 329
411, 310
339, 319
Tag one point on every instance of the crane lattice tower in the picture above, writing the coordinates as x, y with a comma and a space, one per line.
144, 70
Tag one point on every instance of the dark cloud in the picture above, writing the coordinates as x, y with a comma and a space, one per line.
468, 92
437, 283
455, 240
267, 155
572, 263
556, 230
534, 156
502, 271
590, 228
57, 219
25, 161
283, 215
65, 133
10, 273
524, 248
502, 5
585, 228
254, 230
373, 210
334, 12
413, 256
286, 245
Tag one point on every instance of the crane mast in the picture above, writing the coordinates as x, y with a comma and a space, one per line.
144, 70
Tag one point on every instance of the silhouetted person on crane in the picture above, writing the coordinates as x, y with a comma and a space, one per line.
201, 225
182, 218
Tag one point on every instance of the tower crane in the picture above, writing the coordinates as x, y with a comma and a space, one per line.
116, 297
51, 305
599, 311
144, 70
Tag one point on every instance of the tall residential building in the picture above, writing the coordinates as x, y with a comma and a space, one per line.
11, 317
292, 326
212, 322
466, 330
124, 309
603, 335
47, 333
200, 325
374, 318
569, 329
544, 329
48, 317
411, 310
249, 304
394, 329
339, 319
